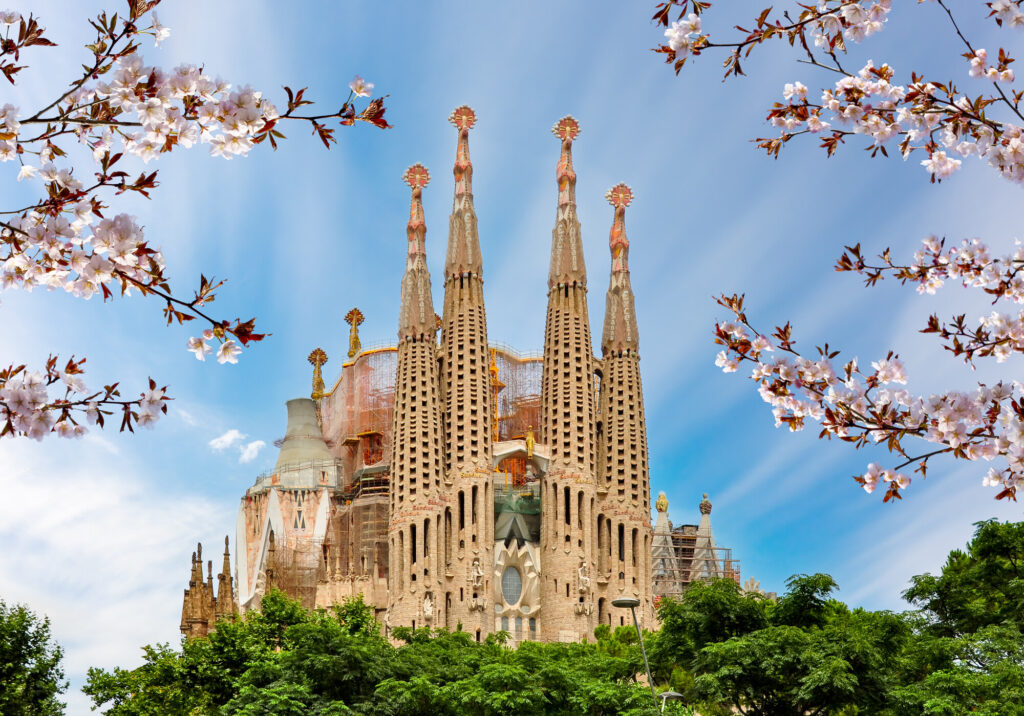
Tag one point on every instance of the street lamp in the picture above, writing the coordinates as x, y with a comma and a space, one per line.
668, 695
631, 604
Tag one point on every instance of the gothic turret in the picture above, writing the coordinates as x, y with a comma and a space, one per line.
226, 606
469, 518
567, 409
623, 426
416, 461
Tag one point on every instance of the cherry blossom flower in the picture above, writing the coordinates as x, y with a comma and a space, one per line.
360, 87
228, 352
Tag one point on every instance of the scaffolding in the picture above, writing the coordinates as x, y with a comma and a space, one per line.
357, 413
683, 557
518, 400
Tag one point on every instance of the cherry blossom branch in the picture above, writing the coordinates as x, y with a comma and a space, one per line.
120, 108
860, 408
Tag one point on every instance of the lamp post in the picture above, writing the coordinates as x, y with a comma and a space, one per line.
631, 604
668, 695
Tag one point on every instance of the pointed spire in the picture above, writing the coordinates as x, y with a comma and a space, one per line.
566, 129
620, 331
567, 265
463, 243
226, 569
463, 118
416, 318
620, 196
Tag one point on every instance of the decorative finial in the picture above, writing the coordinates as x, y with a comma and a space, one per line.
354, 318
705, 505
662, 504
620, 196
317, 358
566, 129
417, 176
463, 118
530, 441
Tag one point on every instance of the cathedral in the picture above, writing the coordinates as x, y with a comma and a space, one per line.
457, 483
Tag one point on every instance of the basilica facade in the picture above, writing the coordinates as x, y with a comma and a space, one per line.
456, 483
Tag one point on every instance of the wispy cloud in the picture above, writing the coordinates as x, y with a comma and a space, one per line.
226, 440
250, 451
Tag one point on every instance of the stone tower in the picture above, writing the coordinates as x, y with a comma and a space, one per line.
568, 419
624, 520
417, 460
466, 387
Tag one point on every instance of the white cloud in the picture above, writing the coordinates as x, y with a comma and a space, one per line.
226, 440
187, 417
250, 451
91, 542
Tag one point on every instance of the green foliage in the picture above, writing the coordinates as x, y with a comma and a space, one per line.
30, 671
286, 660
981, 587
726, 651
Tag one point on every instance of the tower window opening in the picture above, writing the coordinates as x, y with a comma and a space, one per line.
566, 506
622, 542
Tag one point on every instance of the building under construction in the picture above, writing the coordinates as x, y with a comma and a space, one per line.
456, 483
688, 553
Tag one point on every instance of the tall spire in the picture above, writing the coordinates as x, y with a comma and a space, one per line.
620, 332
416, 318
463, 242
466, 399
567, 266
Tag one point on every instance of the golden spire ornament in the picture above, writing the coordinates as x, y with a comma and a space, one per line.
317, 358
354, 318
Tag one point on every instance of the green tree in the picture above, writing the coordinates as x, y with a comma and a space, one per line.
30, 673
981, 587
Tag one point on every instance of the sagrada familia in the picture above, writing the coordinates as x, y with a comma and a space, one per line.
455, 483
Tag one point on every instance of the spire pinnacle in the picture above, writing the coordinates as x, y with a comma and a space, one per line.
463, 118
416, 317
620, 196
227, 556
354, 318
417, 176
566, 129
317, 358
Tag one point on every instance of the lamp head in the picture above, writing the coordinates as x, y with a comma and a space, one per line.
626, 603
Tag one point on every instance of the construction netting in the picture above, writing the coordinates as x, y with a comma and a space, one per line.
297, 566
518, 386
360, 406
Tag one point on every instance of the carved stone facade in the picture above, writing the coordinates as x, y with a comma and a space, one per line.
418, 480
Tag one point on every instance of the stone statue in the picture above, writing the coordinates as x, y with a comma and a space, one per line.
428, 607
583, 576
477, 573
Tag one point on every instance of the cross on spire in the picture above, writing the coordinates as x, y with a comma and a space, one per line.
619, 196
566, 129
417, 176
463, 118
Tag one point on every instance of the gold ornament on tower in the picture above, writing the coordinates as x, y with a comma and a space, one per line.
317, 358
354, 318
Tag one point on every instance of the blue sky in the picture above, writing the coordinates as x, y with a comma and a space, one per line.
98, 532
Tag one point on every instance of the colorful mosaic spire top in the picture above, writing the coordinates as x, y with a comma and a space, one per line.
620, 197
417, 176
566, 129
463, 118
